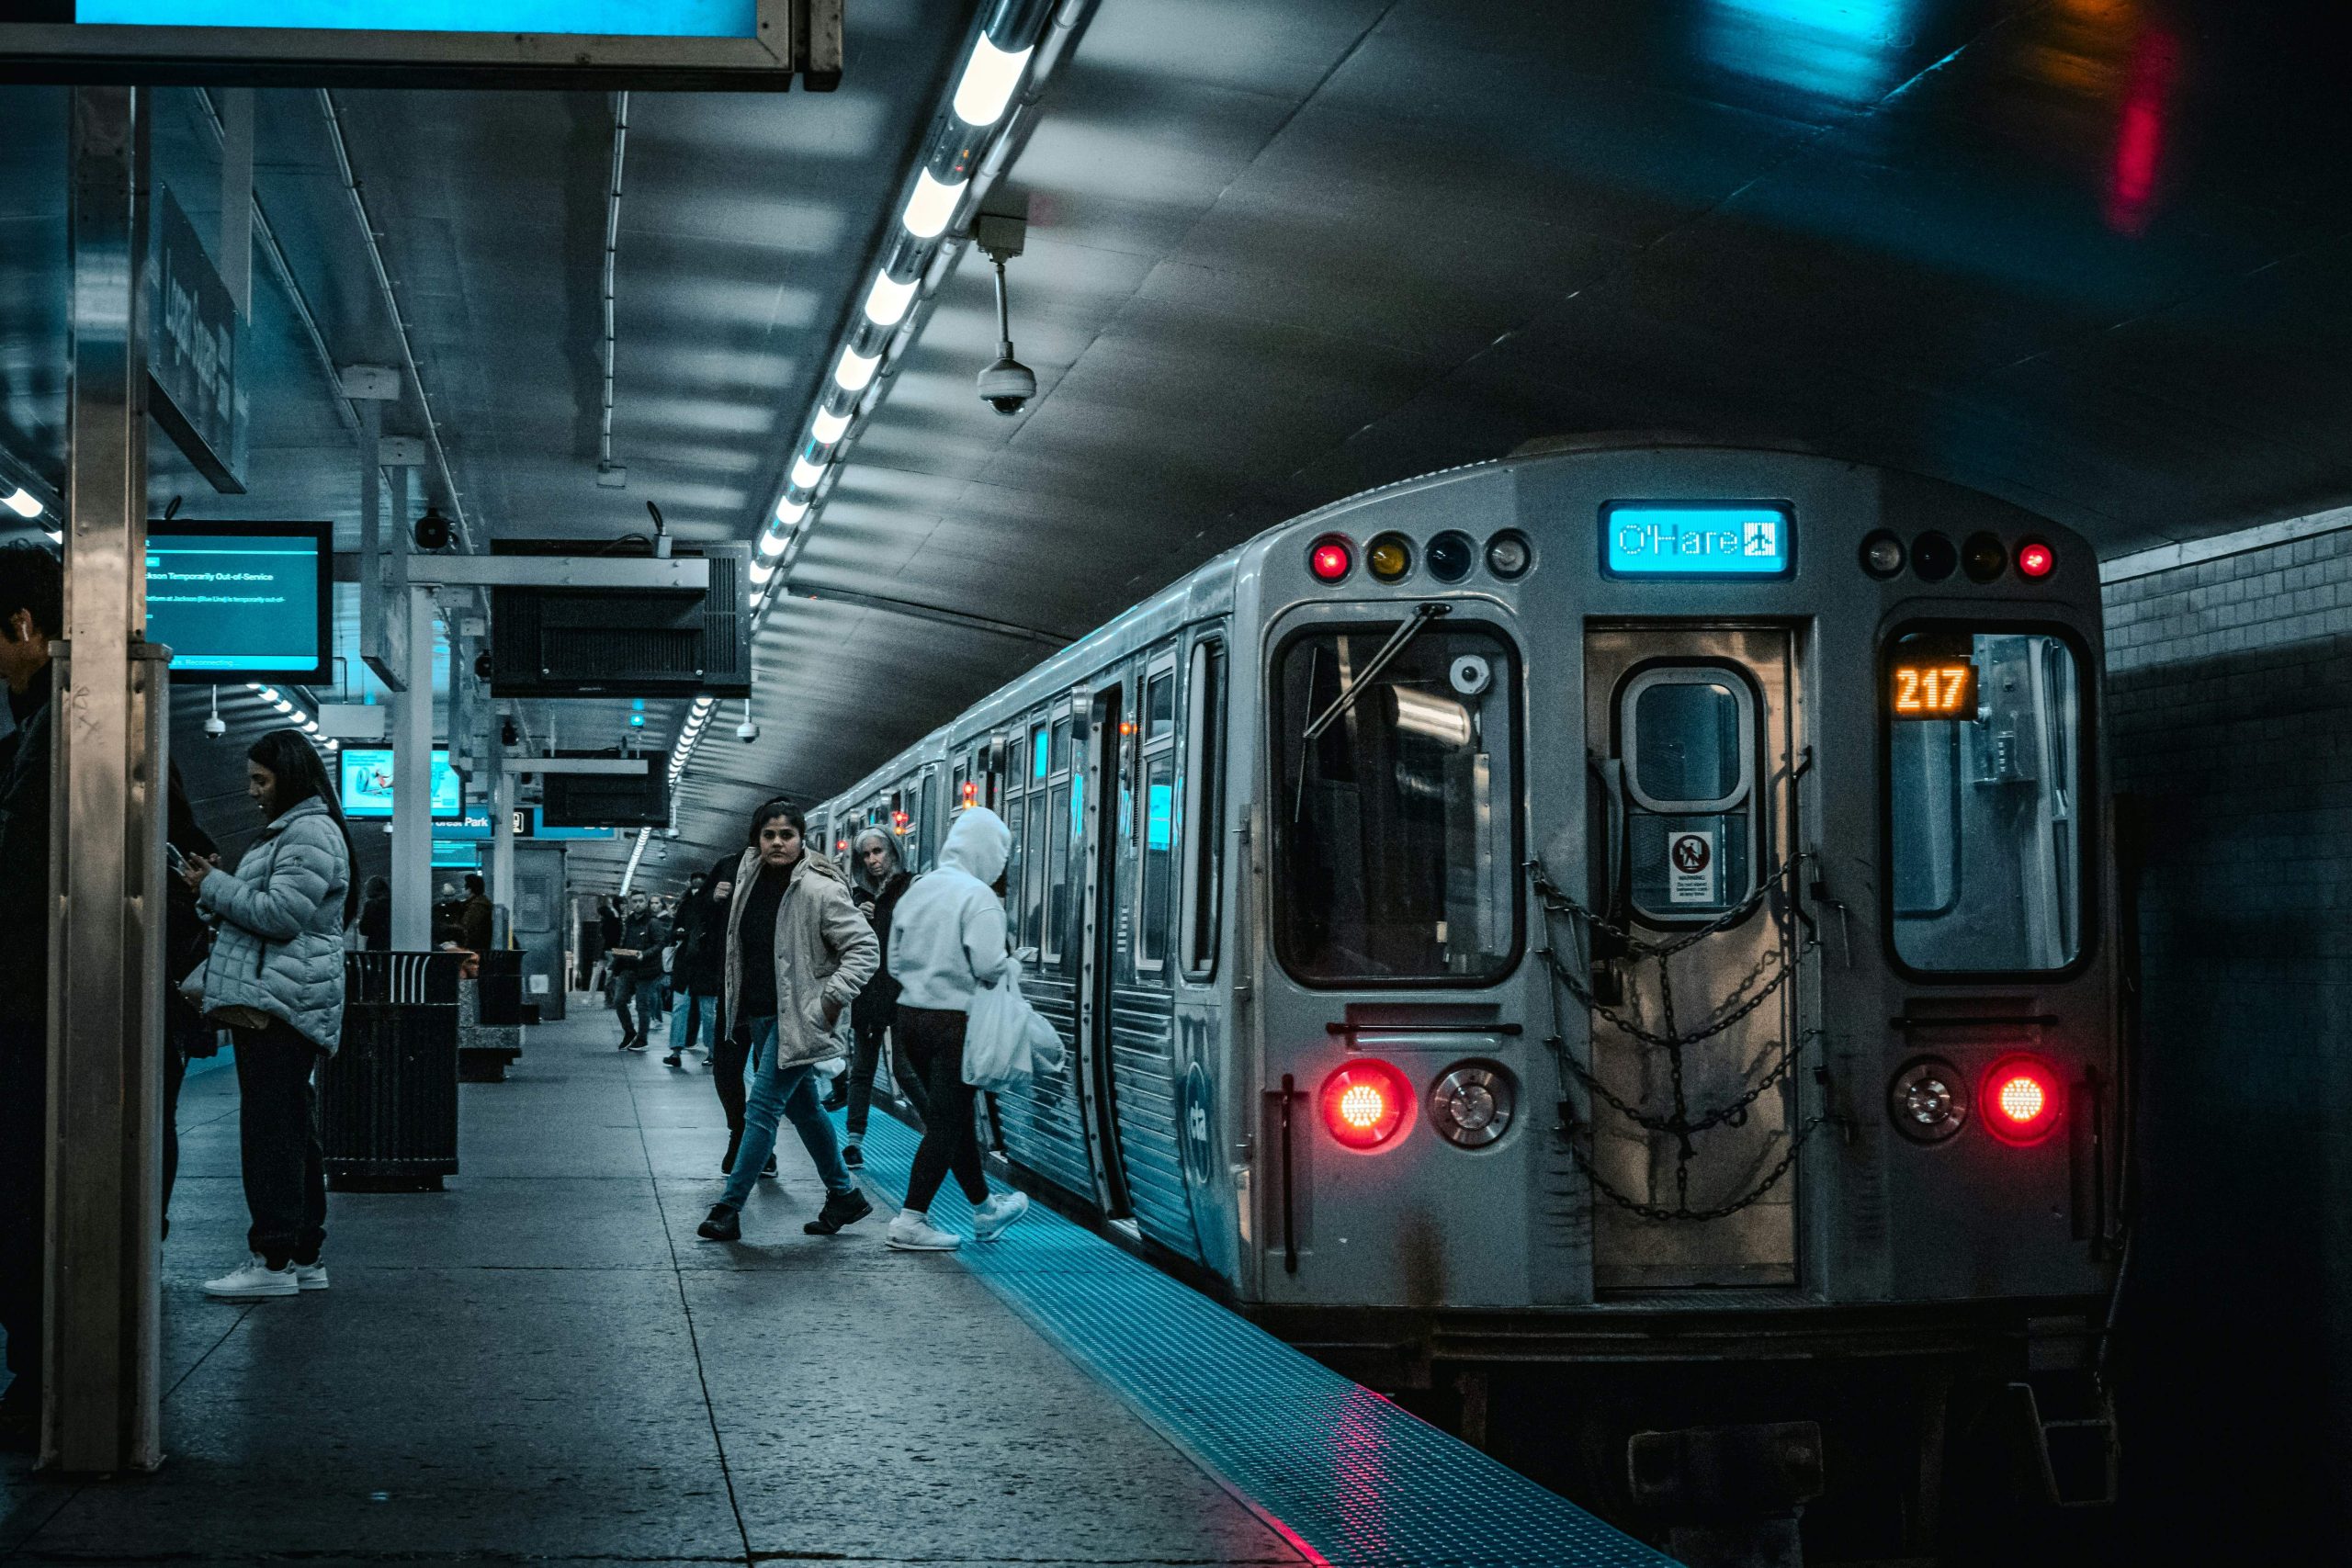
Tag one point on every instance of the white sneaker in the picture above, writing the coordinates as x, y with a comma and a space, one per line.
912, 1232
252, 1281
311, 1276
990, 1218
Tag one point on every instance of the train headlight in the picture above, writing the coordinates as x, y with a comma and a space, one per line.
1450, 555
1364, 1103
1472, 1105
2023, 1099
1508, 555
1883, 555
1929, 1100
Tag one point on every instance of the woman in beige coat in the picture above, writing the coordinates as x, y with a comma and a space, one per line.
797, 953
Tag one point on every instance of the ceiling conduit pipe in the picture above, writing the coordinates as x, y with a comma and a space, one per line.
400, 324
604, 464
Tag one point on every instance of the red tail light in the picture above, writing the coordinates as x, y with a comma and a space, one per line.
1365, 1104
2035, 560
1331, 558
2022, 1100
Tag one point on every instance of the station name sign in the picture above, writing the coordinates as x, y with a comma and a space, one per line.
652, 44
1687, 540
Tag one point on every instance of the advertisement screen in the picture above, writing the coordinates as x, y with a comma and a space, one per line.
367, 784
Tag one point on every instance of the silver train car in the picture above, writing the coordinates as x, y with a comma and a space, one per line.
1632, 920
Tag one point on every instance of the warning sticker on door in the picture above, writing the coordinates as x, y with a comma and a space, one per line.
1691, 874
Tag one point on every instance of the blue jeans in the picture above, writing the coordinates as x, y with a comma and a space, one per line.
777, 1093
681, 1024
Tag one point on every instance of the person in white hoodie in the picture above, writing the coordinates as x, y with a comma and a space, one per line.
947, 942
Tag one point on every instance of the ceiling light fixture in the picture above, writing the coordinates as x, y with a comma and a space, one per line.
828, 426
24, 502
806, 474
931, 205
885, 304
990, 77
855, 371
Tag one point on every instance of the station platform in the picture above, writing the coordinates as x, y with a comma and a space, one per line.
545, 1363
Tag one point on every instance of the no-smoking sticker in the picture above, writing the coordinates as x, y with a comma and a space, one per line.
1691, 869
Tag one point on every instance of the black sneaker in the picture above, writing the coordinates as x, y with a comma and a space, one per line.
837, 1098
852, 1157
626, 1040
637, 1045
724, 1225
768, 1169
841, 1209
672, 1060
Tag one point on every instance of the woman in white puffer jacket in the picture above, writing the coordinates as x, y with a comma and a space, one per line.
275, 978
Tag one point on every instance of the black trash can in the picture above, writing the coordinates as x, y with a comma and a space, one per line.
388, 1098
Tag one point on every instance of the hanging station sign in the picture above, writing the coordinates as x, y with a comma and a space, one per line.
739, 45
1687, 540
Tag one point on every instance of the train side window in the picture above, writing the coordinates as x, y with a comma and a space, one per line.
1985, 843
1200, 820
1015, 816
1159, 706
1033, 910
1395, 829
1063, 806
1688, 736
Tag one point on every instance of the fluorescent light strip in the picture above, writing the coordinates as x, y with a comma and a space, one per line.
856, 371
885, 304
789, 512
990, 77
806, 474
828, 426
930, 206
24, 502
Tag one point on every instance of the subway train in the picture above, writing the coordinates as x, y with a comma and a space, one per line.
1622, 938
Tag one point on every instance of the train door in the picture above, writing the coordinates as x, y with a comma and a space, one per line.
1099, 784
1692, 732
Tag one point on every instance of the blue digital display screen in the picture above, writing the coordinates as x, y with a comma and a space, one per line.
1160, 817
367, 784
248, 605
636, 18
1696, 539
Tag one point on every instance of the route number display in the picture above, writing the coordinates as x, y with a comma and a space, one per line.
1937, 688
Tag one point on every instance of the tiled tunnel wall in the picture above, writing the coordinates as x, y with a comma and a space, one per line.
2229, 706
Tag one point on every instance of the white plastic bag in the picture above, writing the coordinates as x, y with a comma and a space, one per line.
1004, 1040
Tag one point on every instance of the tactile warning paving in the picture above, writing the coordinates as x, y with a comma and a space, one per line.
1346, 1476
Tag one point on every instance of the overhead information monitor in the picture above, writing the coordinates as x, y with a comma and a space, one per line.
1687, 540
241, 601
367, 784
670, 44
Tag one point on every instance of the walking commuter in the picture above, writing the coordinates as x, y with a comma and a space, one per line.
637, 971
797, 953
275, 978
879, 883
947, 942
696, 973
376, 915
31, 613
731, 1051
608, 934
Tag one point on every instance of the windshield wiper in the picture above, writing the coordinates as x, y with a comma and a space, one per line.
1406, 630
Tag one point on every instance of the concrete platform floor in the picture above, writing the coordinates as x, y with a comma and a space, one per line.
544, 1364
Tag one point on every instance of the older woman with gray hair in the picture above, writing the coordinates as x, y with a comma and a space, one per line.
878, 878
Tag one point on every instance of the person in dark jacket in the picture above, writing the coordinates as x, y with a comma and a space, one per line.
276, 975
187, 940
876, 882
376, 915
637, 970
31, 612
474, 916
695, 974
731, 1052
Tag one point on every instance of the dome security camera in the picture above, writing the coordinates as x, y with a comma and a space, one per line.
747, 732
1008, 385
216, 726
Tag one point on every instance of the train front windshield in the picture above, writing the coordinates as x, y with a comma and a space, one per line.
1984, 763
1394, 827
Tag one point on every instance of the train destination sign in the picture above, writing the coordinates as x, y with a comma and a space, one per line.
1932, 688
681, 44
1692, 539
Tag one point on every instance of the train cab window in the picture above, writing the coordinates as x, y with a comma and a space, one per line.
1687, 733
1395, 829
1159, 706
1984, 801
1201, 820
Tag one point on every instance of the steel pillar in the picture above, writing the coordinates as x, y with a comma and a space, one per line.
502, 794
105, 1061
412, 778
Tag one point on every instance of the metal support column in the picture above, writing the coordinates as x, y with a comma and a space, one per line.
412, 779
503, 793
113, 698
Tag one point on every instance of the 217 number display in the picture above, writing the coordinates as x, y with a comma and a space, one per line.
1945, 688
